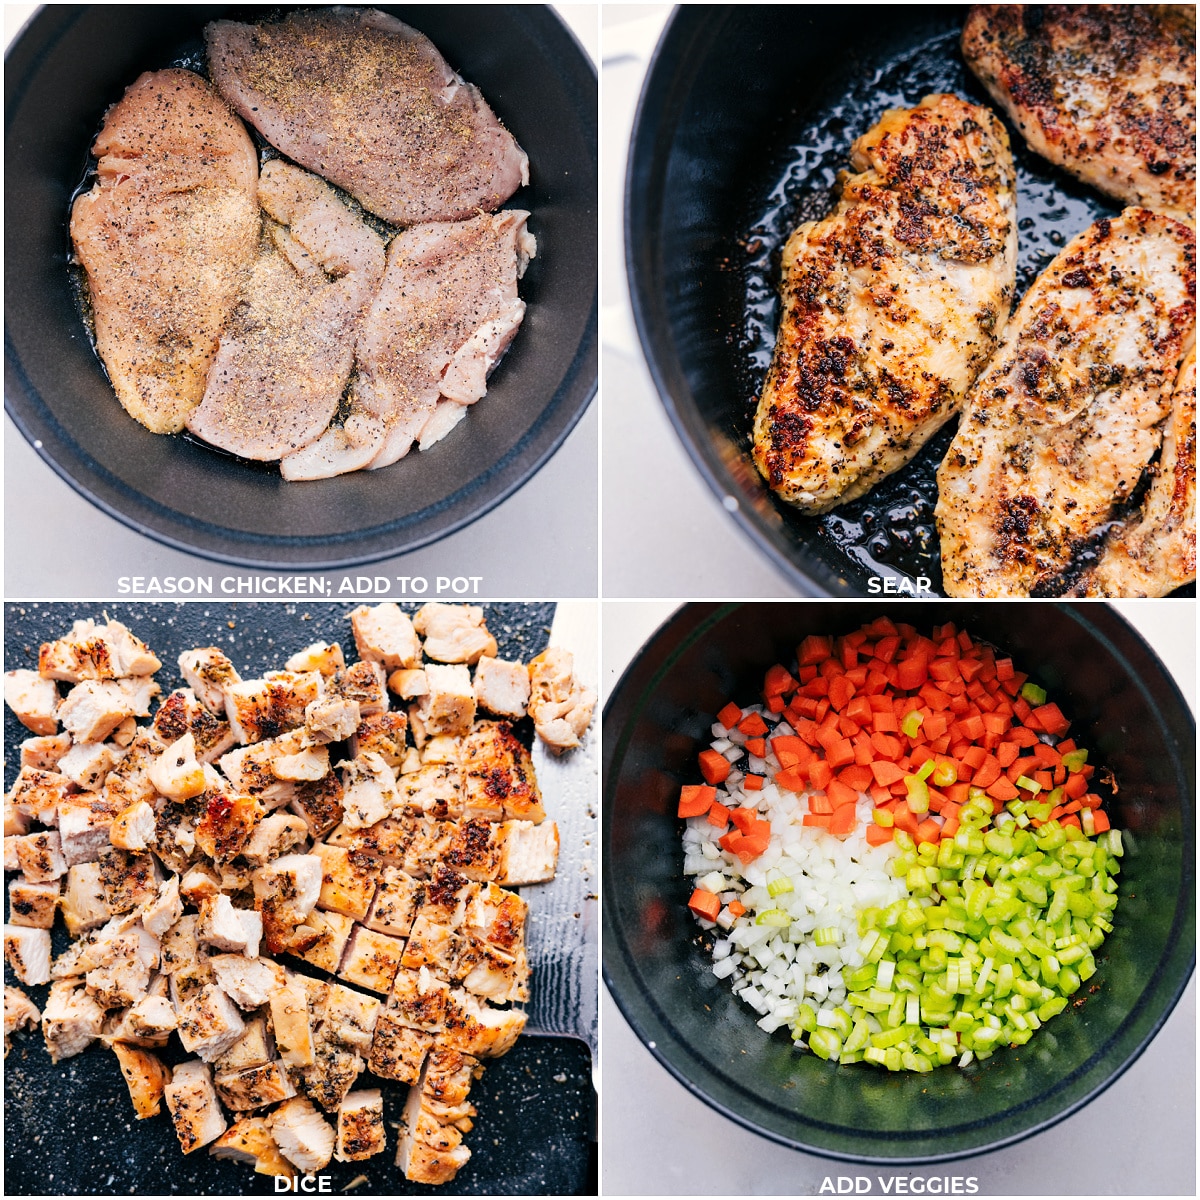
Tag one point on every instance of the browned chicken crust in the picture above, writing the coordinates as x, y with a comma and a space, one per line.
1071, 411
1107, 91
891, 305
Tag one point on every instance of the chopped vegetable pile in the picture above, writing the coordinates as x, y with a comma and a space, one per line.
903, 848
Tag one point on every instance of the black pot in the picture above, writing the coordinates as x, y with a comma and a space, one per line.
746, 114
1124, 707
67, 67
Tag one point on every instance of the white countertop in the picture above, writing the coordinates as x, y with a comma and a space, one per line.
1137, 1138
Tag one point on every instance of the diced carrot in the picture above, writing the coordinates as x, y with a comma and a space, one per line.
877, 835
705, 904
775, 704
1046, 755
911, 674
857, 777
879, 794
1003, 789
1004, 668
695, 799
778, 681
841, 690
1072, 820
820, 773
1076, 785
753, 783
821, 819
1006, 753
843, 820
1091, 800
859, 709
714, 766
1100, 821
974, 756
819, 802
736, 908
839, 794
905, 819
928, 831
886, 773
743, 818
718, 815
885, 722
987, 773
813, 649
729, 716
791, 779
757, 746
1051, 719
839, 753
950, 827
752, 725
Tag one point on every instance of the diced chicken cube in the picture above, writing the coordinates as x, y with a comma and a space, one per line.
434, 790
34, 700
87, 764
129, 781
398, 1051
436, 1114
238, 930
133, 829
348, 881
181, 713
382, 734
349, 1018
395, 902
304, 1137
249, 1142
365, 683
274, 836
94, 651
94, 708
321, 939
319, 803
179, 946
447, 896
146, 1076
189, 981
332, 1074
371, 959
442, 749
502, 688
418, 1000
561, 707
432, 945
71, 1020
496, 918
291, 1023
199, 883
209, 672
498, 777
386, 635
369, 791
305, 765
122, 974
248, 982
33, 904
228, 823
83, 903
409, 683
254, 1087
252, 1049
449, 708
332, 719
525, 853
209, 1023
84, 826
44, 753
176, 772
149, 1021
478, 1029
263, 708
40, 856
325, 657
129, 880
194, 1107
28, 953
285, 892
19, 1013
360, 1131
37, 794
454, 633
160, 914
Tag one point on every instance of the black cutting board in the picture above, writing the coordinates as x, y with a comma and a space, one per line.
69, 1129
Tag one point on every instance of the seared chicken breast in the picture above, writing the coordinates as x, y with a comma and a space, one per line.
1070, 412
1107, 91
891, 305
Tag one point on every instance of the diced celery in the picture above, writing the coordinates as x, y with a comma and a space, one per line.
1032, 693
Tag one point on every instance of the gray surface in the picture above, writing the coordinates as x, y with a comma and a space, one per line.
542, 541
1137, 1138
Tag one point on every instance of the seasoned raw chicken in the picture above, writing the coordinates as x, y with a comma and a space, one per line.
423, 147
891, 305
194, 1106
1107, 91
166, 235
286, 355
34, 700
1155, 552
1060, 427
446, 311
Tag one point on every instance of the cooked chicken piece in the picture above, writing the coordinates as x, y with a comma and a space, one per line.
332, 719
304, 1137
165, 236
1107, 91
435, 790
254, 1087
382, 734
37, 794
71, 1019
347, 880
369, 790
434, 946
449, 708
129, 880
286, 890
28, 953
502, 688
371, 959
436, 1115
360, 1131
163, 912
92, 651
87, 764
264, 708
124, 733
146, 1077
176, 773
398, 1052
365, 683
129, 781
453, 633
321, 939
209, 672
349, 1018
409, 684
181, 713
83, 828
209, 1022
16, 823
250, 769
286, 355
493, 975
386, 635
443, 317
418, 1000
228, 824
475, 1028
319, 803
34, 700
561, 707
1155, 552
441, 749
83, 903
890, 305
497, 918
44, 753
446, 896
40, 856
19, 1013
33, 904
1060, 427
248, 982
193, 1104
134, 829
189, 981
149, 1021
395, 903
200, 884
498, 778
424, 148
179, 945
237, 930
249, 1141
122, 974
333, 1073
325, 657
291, 1024
94, 708
273, 836
252, 1049
511, 853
